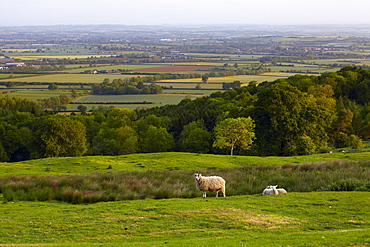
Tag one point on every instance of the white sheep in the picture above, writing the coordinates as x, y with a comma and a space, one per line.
272, 190
213, 183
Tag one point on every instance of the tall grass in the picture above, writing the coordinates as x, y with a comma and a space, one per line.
131, 185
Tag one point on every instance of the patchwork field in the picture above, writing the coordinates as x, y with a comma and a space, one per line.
152, 99
34, 94
174, 68
70, 78
242, 78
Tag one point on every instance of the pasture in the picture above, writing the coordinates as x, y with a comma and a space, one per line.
156, 99
10, 76
162, 161
113, 67
35, 94
29, 56
69, 78
294, 219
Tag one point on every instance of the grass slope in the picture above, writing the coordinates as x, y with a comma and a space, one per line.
159, 161
294, 219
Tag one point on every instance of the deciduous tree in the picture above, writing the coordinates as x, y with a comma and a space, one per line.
58, 136
195, 138
233, 132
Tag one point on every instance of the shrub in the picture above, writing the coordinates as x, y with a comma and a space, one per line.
350, 184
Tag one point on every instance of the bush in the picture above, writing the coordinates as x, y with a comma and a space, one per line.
350, 184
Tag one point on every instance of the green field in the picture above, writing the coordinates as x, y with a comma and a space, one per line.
114, 67
70, 78
231, 56
10, 76
295, 219
36, 56
160, 161
292, 219
157, 99
33, 94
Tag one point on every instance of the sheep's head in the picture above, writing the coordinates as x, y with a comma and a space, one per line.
273, 187
197, 176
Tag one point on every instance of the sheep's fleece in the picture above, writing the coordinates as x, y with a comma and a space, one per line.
213, 183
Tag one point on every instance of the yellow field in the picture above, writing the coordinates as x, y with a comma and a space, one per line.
242, 78
18, 50
177, 85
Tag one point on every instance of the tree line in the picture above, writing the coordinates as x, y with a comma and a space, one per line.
301, 114
135, 85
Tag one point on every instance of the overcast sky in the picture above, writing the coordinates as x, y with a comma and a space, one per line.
164, 12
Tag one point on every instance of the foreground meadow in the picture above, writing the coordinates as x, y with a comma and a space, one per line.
294, 219
151, 200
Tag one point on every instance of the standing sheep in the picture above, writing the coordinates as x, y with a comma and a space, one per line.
213, 183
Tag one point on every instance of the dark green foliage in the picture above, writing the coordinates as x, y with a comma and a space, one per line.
350, 184
298, 115
195, 138
10, 105
129, 86
53, 87
156, 140
284, 117
57, 136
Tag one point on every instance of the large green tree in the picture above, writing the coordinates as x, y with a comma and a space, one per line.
195, 138
233, 132
285, 117
156, 140
58, 136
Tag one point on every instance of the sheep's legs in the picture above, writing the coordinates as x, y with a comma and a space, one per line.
204, 194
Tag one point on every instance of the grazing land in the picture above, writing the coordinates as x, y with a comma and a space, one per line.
296, 219
161, 161
133, 100
150, 199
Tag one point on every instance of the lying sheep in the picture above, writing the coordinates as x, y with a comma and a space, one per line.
281, 190
213, 183
272, 190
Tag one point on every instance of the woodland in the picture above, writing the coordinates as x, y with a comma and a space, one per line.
298, 115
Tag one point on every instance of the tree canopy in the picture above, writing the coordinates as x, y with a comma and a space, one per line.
233, 132
301, 114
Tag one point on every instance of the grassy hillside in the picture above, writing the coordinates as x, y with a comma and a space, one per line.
294, 219
160, 161
68, 188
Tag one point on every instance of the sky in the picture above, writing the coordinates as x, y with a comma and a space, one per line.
183, 12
